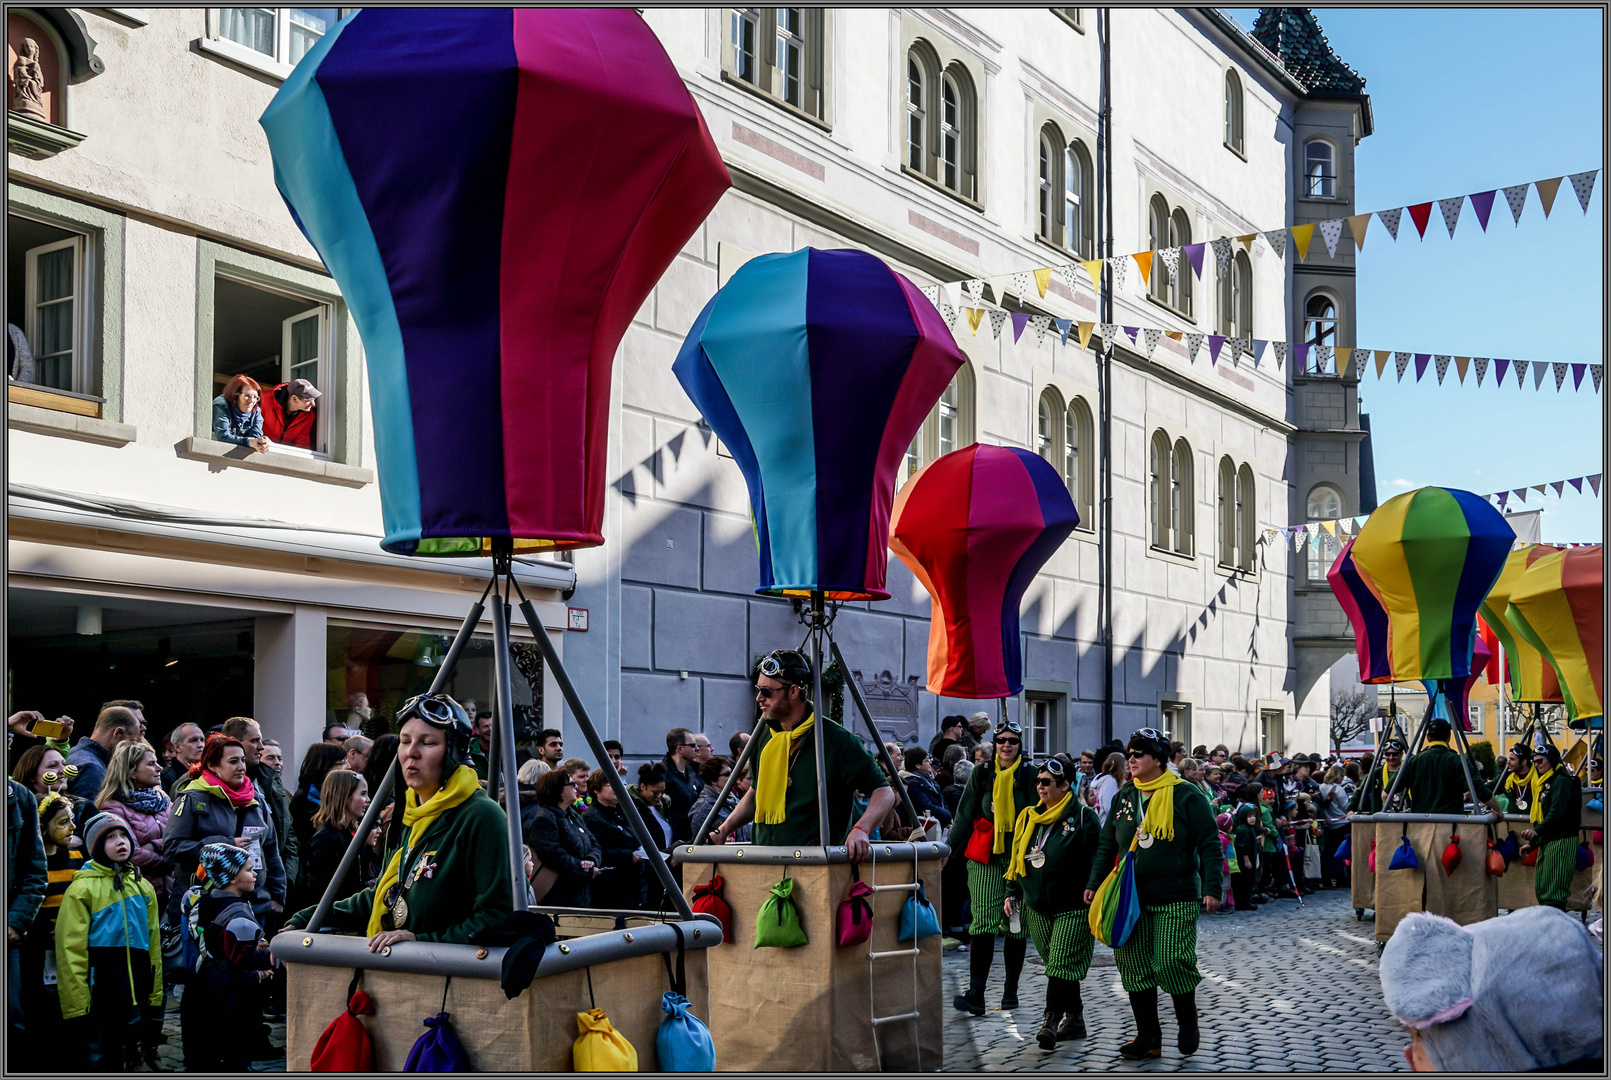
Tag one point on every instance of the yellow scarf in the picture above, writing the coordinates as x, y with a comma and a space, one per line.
1516, 780
1024, 831
1160, 817
1438, 742
418, 817
1535, 811
772, 778
1001, 795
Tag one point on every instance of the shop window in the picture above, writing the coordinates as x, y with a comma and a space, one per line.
272, 337
50, 312
779, 53
1272, 734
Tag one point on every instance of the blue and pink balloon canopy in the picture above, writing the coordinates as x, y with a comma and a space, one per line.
816, 369
495, 192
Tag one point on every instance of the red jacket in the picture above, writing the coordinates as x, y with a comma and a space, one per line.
293, 430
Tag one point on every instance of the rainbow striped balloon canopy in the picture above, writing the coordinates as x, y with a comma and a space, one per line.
1430, 556
1365, 614
1451, 698
976, 526
1558, 607
1531, 677
495, 191
816, 369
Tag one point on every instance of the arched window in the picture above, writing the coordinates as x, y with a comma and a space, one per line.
1236, 297
746, 28
1325, 504
1158, 489
1319, 327
791, 53
946, 420
1247, 516
1158, 237
916, 113
949, 426
1077, 201
1179, 237
1233, 111
1046, 193
950, 133
1182, 499
1229, 526
1049, 427
1081, 461
1319, 170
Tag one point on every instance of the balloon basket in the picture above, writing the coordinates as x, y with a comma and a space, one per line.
812, 1008
618, 971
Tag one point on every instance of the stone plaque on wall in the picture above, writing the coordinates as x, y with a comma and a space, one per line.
892, 704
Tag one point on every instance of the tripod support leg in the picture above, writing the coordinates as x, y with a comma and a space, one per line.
907, 806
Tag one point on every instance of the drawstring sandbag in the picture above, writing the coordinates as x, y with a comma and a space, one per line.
599, 1047
853, 921
1344, 849
777, 924
1451, 855
683, 1043
1585, 857
438, 1050
918, 918
1372, 859
708, 900
1404, 858
344, 1045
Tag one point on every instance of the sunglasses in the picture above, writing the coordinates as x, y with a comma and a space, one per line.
1009, 742
765, 692
1133, 754
1045, 781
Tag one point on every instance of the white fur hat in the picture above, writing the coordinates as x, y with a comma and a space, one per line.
1509, 994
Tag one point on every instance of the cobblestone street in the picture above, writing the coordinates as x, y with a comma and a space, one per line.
1284, 990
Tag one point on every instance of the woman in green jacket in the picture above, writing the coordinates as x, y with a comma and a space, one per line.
998, 780
446, 876
1554, 815
1053, 843
1177, 875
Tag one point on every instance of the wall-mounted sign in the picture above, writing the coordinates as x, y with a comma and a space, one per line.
577, 620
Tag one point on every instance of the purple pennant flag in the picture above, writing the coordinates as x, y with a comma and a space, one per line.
1421, 360
1482, 203
1194, 252
1578, 371
1504, 499
1577, 485
1132, 331
1300, 353
1500, 367
1594, 482
1019, 321
1215, 341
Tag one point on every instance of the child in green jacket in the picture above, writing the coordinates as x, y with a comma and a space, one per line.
109, 953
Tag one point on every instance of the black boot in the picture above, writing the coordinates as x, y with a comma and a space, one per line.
1046, 1038
1149, 1032
1073, 1025
981, 951
1013, 953
1186, 1018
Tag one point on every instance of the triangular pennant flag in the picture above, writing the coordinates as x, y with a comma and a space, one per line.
1577, 375
1482, 368
1118, 266
1421, 213
974, 288
1540, 489
1401, 360
1300, 537
1280, 348
1300, 356
1063, 327
1175, 335
1215, 343
1421, 360
1594, 482
1559, 486
1331, 232
1278, 241
1093, 270
1322, 358
998, 319
1460, 365
1110, 334
1021, 284
1577, 484
1222, 255
1043, 278
933, 293
1041, 323
1381, 361
1345, 526
1171, 259
1521, 372
1344, 356
1390, 218
1583, 187
1501, 368
974, 315
1144, 261
1356, 228
1520, 493
1560, 375
1133, 332
1540, 369
1151, 335
1595, 371
1238, 346
1086, 329
1546, 192
1483, 204
1504, 499
949, 314
1194, 255
1247, 241
1301, 235
1066, 272
1193, 343
1443, 367
1451, 211
1019, 321
1516, 198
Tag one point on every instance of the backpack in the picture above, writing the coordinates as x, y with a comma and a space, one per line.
193, 949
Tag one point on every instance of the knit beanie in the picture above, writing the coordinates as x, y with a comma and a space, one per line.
96, 835
222, 862
1523, 992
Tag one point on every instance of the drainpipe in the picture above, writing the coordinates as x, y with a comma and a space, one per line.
1104, 375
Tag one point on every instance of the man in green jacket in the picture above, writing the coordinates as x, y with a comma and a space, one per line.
1435, 779
1177, 875
1373, 787
1554, 817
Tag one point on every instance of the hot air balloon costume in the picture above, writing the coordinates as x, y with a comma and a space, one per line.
1553, 821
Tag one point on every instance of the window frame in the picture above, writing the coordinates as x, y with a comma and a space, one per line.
1307, 188
816, 36
942, 77
1159, 458
1247, 507
1235, 114
1049, 186
81, 368
1176, 707
1180, 285
278, 65
1080, 245
918, 111
1318, 330
1321, 551
1183, 491
1229, 555
1083, 489
1071, 16
1272, 729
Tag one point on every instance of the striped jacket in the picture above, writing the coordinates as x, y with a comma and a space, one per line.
114, 932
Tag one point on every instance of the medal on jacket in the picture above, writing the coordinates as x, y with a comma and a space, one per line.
396, 908
1144, 838
1037, 859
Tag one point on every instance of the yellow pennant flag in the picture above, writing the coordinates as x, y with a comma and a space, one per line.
1247, 241
1301, 235
1175, 335
1381, 360
1093, 270
1546, 192
1460, 363
1086, 329
1043, 278
974, 315
1144, 260
1357, 225
1343, 358
1329, 526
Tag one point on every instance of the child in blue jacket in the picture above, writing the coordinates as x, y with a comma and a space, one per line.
222, 1005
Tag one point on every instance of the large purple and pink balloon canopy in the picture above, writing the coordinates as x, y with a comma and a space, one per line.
496, 192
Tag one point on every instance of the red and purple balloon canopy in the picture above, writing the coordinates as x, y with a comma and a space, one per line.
495, 192
976, 526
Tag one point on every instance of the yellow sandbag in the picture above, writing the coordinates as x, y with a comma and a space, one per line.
599, 1047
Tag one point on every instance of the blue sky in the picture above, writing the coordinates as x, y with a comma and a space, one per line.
1465, 100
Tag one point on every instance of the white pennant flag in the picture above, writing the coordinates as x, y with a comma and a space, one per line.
998, 319
1390, 219
1066, 272
1482, 367
1520, 368
1023, 286
975, 289
1583, 187
1116, 267
1280, 348
1278, 241
1401, 360
1451, 211
1595, 372
949, 314
1171, 259
1300, 537
1222, 255
1516, 197
1443, 366
1151, 336
1331, 232
1193, 343
933, 293
1560, 375
1110, 333
1322, 358
1041, 323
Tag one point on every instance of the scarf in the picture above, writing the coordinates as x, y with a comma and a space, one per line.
772, 778
1024, 831
149, 800
245, 795
418, 817
1517, 779
1438, 742
1001, 795
1160, 817
1535, 810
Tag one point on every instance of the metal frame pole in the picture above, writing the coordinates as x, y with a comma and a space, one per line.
819, 737
585, 722
504, 722
907, 806
1456, 725
1398, 777
744, 758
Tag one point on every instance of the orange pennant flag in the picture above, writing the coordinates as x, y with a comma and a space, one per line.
1043, 278
1301, 235
1460, 365
974, 316
1381, 360
1144, 260
1357, 225
1546, 192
